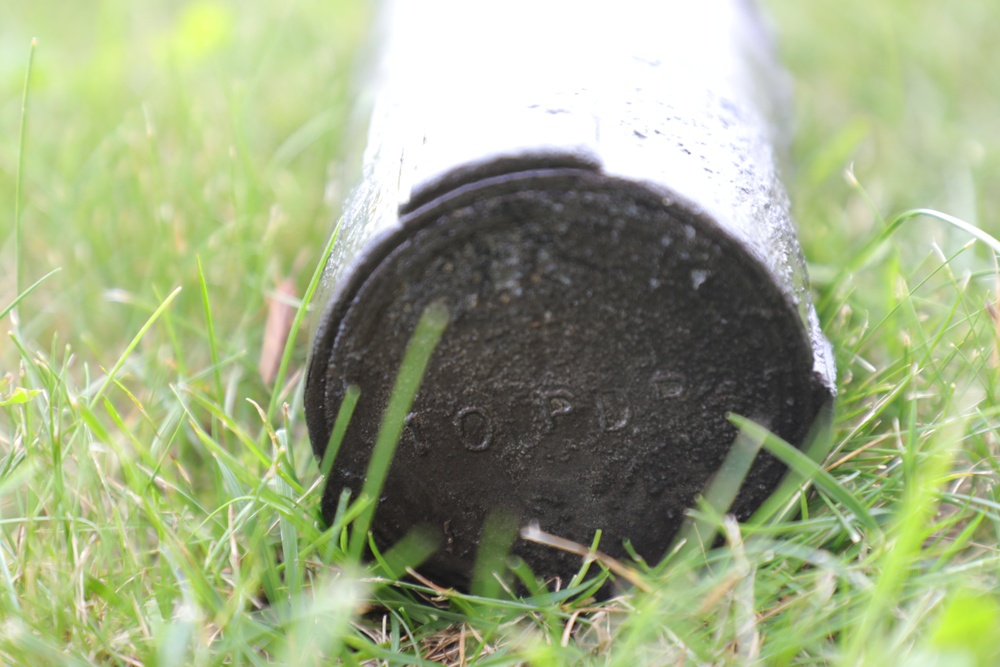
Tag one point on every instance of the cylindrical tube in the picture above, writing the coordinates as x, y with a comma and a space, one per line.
592, 191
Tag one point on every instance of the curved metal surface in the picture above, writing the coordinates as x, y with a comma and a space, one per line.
595, 196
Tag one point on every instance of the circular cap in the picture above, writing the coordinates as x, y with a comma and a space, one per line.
600, 334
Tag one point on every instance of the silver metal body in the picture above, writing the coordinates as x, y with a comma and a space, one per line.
675, 103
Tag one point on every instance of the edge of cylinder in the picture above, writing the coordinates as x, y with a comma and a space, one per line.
421, 211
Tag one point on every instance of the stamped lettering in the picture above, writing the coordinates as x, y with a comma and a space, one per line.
475, 428
668, 384
613, 410
555, 403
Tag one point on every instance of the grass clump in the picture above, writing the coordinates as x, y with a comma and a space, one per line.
181, 164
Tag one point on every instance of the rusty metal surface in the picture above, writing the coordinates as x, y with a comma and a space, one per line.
605, 222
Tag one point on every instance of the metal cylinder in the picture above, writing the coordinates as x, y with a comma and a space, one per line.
592, 190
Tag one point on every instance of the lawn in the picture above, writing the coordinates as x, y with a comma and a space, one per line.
171, 184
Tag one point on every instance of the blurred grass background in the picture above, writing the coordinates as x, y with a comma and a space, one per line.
906, 94
163, 131
166, 524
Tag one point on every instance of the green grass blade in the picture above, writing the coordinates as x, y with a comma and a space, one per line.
425, 338
20, 297
293, 333
213, 347
8, 582
958, 223
872, 248
910, 528
19, 185
698, 534
807, 469
344, 414
132, 345
818, 444
498, 535
289, 535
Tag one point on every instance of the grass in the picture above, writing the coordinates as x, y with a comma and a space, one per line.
158, 498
